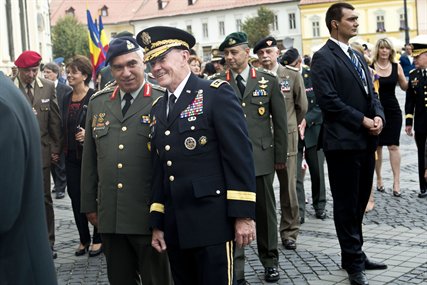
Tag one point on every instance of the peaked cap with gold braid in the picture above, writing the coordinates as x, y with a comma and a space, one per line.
158, 40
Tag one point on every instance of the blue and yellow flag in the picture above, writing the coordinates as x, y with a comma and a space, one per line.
102, 35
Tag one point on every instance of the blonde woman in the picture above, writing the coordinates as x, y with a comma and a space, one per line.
390, 73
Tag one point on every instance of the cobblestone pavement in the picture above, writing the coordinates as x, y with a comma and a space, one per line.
395, 232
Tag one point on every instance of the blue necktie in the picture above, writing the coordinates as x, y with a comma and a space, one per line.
358, 66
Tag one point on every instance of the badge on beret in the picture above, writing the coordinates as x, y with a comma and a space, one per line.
231, 41
203, 140
261, 111
130, 45
190, 143
269, 43
146, 39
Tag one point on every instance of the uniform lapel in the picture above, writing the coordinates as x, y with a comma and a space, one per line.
250, 85
138, 104
113, 104
185, 98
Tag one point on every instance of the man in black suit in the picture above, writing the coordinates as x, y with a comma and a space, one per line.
203, 171
352, 119
51, 72
25, 254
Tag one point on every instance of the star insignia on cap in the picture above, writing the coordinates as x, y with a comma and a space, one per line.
129, 45
269, 43
146, 39
231, 41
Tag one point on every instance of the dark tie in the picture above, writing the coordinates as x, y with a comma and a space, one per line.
30, 93
358, 66
425, 74
127, 98
240, 84
171, 103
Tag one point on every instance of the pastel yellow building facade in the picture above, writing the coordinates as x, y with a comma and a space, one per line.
377, 19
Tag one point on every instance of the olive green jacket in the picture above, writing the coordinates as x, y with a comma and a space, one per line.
265, 112
116, 164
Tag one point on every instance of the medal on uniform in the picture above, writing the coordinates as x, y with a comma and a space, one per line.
284, 86
414, 82
107, 123
190, 143
261, 111
203, 140
94, 121
149, 146
145, 119
192, 118
263, 83
101, 117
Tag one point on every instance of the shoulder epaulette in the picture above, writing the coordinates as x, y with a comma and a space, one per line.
266, 71
110, 83
292, 68
107, 89
412, 70
155, 101
217, 83
158, 87
213, 76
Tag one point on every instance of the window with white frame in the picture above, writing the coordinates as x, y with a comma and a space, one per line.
221, 27
205, 30
189, 29
238, 25
380, 23
275, 26
316, 29
292, 21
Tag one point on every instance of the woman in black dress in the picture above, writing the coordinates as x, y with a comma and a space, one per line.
390, 74
79, 73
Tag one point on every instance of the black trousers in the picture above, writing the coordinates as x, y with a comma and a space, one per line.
131, 258
73, 171
350, 177
210, 265
420, 140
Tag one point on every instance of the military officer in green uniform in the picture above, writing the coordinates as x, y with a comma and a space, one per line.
307, 147
116, 169
259, 95
292, 88
416, 106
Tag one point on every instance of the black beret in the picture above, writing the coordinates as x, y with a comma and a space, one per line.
265, 43
289, 56
234, 39
158, 40
120, 46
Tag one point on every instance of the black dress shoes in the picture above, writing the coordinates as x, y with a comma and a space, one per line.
372, 265
423, 193
271, 274
54, 254
60, 195
81, 251
321, 215
289, 244
358, 278
96, 252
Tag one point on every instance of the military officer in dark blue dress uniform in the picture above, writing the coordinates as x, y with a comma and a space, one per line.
204, 181
258, 92
416, 106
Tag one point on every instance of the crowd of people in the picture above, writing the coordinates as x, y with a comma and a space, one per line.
172, 159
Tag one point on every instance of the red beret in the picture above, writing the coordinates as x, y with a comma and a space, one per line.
27, 59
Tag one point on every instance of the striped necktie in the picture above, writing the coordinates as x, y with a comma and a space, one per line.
358, 66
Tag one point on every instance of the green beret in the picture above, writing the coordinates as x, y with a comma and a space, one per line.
234, 39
